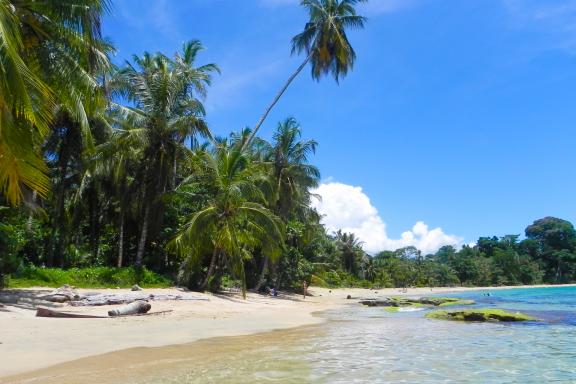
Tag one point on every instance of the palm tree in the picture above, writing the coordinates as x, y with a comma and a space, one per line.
165, 113
290, 175
235, 219
325, 43
351, 250
49, 54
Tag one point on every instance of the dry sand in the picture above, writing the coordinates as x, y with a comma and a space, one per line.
28, 343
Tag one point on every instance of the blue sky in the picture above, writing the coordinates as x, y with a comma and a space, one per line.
459, 114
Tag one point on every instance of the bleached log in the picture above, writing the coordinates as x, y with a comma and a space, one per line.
137, 307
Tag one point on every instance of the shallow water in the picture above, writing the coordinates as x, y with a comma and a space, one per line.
368, 345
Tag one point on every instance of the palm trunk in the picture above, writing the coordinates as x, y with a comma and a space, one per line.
143, 235
121, 239
55, 254
262, 277
31, 214
276, 99
211, 268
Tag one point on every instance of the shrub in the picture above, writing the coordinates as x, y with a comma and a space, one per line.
95, 277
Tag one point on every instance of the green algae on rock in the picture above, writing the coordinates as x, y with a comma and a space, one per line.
399, 301
480, 315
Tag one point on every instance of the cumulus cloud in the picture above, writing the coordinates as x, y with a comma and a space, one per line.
349, 209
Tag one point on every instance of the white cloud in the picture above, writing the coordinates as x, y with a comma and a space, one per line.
347, 208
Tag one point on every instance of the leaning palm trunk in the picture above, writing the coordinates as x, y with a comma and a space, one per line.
262, 277
276, 99
211, 268
121, 239
31, 214
143, 235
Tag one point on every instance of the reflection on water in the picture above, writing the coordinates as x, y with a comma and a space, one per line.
364, 345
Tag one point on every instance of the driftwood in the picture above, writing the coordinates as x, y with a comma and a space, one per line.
127, 298
46, 312
61, 295
137, 307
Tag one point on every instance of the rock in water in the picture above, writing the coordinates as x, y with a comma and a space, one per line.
136, 287
480, 315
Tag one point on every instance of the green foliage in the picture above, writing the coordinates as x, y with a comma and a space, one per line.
341, 279
96, 277
129, 175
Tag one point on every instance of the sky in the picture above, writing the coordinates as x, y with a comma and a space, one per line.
458, 120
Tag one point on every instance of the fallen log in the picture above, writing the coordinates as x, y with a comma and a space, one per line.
148, 314
137, 307
46, 312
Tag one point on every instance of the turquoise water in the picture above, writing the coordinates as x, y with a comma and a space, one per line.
369, 345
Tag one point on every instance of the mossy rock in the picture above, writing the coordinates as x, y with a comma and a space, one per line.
441, 301
399, 301
392, 309
480, 315
456, 301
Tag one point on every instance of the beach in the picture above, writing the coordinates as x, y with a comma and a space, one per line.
28, 343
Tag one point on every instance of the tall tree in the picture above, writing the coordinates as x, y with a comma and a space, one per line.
324, 42
290, 175
166, 112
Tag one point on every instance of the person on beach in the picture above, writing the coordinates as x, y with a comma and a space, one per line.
304, 288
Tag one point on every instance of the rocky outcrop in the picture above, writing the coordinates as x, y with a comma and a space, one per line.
480, 315
415, 302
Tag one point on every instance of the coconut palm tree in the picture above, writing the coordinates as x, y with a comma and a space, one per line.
290, 175
351, 251
324, 42
50, 53
235, 219
165, 114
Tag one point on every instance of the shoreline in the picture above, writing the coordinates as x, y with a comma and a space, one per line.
29, 344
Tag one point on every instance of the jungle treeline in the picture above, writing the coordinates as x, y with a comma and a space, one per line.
107, 168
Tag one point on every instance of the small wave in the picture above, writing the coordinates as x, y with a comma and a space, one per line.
410, 309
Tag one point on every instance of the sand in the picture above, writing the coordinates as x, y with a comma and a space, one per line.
28, 343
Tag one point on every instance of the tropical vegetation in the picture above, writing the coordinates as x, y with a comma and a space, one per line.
110, 175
